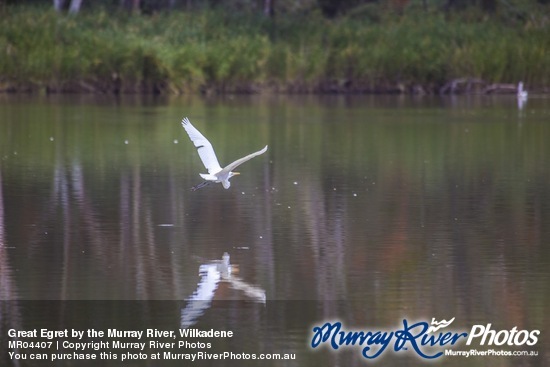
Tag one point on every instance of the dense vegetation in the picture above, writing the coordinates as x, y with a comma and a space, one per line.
370, 47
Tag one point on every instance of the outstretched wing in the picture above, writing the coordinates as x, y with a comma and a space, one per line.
238, 162
204, 148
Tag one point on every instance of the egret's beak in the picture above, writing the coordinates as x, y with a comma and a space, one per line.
236, 173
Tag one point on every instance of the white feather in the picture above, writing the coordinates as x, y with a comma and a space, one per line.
204, 148
209, 159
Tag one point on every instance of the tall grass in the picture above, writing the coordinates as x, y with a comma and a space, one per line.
206, 49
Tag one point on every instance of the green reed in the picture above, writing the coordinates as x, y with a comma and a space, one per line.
208, 50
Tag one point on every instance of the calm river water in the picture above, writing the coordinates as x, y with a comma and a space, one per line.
365, 210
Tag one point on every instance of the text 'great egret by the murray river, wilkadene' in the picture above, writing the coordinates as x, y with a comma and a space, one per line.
208, 157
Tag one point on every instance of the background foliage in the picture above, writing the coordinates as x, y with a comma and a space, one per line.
236, 46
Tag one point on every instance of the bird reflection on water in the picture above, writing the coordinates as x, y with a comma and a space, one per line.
212, 273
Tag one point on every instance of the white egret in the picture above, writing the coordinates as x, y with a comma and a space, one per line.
215, 172
522, 93
522, 96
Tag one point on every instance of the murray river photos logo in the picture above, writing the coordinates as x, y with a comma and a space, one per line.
426, 340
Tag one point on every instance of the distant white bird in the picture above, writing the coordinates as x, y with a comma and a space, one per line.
208, 157
522, 94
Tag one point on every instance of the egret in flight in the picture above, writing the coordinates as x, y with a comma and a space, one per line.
215, 172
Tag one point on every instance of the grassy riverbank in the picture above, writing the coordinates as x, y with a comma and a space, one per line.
207, 50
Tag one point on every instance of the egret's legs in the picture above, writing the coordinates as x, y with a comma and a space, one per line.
201, 185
